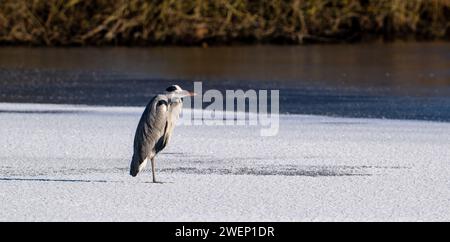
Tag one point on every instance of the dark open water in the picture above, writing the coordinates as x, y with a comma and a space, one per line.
401, 81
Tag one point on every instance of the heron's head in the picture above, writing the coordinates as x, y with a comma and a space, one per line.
175, 93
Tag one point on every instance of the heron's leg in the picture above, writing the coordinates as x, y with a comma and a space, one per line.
153, 169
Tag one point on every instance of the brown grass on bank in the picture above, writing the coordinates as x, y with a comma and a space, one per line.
140, 22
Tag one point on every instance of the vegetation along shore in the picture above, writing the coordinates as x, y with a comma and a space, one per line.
194, 22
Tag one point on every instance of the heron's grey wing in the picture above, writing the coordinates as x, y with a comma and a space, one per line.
151, 128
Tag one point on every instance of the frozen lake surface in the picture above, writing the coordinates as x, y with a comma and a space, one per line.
69, 162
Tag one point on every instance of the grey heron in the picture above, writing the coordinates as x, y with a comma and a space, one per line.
155, 127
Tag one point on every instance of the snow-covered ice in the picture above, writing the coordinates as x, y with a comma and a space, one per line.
70, 163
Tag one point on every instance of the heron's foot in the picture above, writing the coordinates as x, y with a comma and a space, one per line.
156, 182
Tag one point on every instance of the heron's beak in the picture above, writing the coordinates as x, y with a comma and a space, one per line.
189, 94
